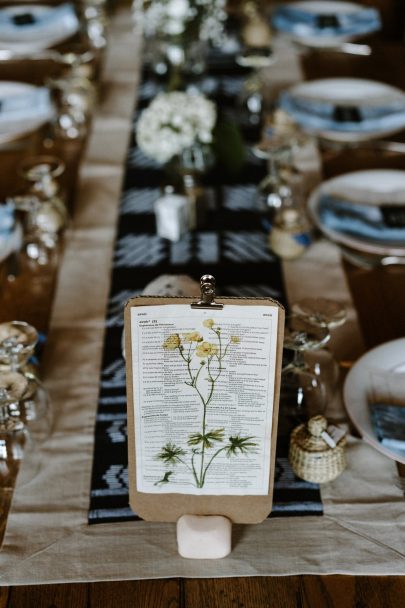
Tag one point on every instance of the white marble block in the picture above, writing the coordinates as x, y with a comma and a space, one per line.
204, 536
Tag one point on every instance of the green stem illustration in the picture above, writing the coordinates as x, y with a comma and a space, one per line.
211, 355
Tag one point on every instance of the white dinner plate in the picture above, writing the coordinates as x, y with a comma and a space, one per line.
26, 28
23, 109
389, 357
299, 32
362, 94
372, 187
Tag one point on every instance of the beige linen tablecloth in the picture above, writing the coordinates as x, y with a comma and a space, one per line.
48, 539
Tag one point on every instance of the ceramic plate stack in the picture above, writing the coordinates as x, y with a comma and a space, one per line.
346, 109
23, 109
325, 23
363, 211
27, 28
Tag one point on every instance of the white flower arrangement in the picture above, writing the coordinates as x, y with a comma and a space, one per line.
202, 19
174, 122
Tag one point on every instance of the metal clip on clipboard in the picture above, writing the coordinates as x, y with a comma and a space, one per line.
207, 285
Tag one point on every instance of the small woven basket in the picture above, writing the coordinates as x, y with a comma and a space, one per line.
310, 456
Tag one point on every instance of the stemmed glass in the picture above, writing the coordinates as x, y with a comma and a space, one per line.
256, 53
43, 210
323, 313
75, 92
274, 191
12, 440
95, 20
24, 404
302, 391
17, 375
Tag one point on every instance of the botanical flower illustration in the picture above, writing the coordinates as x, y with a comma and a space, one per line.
172, 342
205, 445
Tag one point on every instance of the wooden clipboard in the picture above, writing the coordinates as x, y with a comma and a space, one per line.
168, 507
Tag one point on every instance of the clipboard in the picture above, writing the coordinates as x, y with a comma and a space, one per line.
170, 506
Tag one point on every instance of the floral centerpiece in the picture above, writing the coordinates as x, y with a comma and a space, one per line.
177, 126
178, 33
183, 19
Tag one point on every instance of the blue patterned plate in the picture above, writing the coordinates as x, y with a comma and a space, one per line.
346, 109
363, 210
325, 23
34, 27
388, 357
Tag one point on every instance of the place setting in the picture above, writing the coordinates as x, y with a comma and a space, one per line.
374, 398
329, 25
362, 212
28, 28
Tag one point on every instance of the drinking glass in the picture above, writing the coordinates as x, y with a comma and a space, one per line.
19, 383
95, 22
75, 93
302, 391
256, 53
329, 314
25, 416
42, 210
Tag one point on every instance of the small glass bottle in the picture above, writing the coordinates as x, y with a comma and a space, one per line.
172, 213
290, 234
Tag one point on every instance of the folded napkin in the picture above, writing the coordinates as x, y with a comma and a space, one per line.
389, 425
322, 115
7, 219
303, 23
29, 25
361, 220
27, 105
10, 233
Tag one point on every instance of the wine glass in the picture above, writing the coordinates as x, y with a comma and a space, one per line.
329, 314
75, 92
27, 398
18, 440
25, 417
42, 209
274, 191
302, 391
256, 54
95, 22
12, 441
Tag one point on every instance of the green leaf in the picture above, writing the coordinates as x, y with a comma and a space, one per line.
165, 479
207, 439
170, 453
242, 444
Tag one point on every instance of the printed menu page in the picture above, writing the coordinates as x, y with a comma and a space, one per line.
203, 392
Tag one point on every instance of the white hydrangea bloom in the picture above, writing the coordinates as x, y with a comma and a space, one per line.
174, 122
172, 17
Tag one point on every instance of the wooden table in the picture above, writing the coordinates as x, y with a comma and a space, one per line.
379, 297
